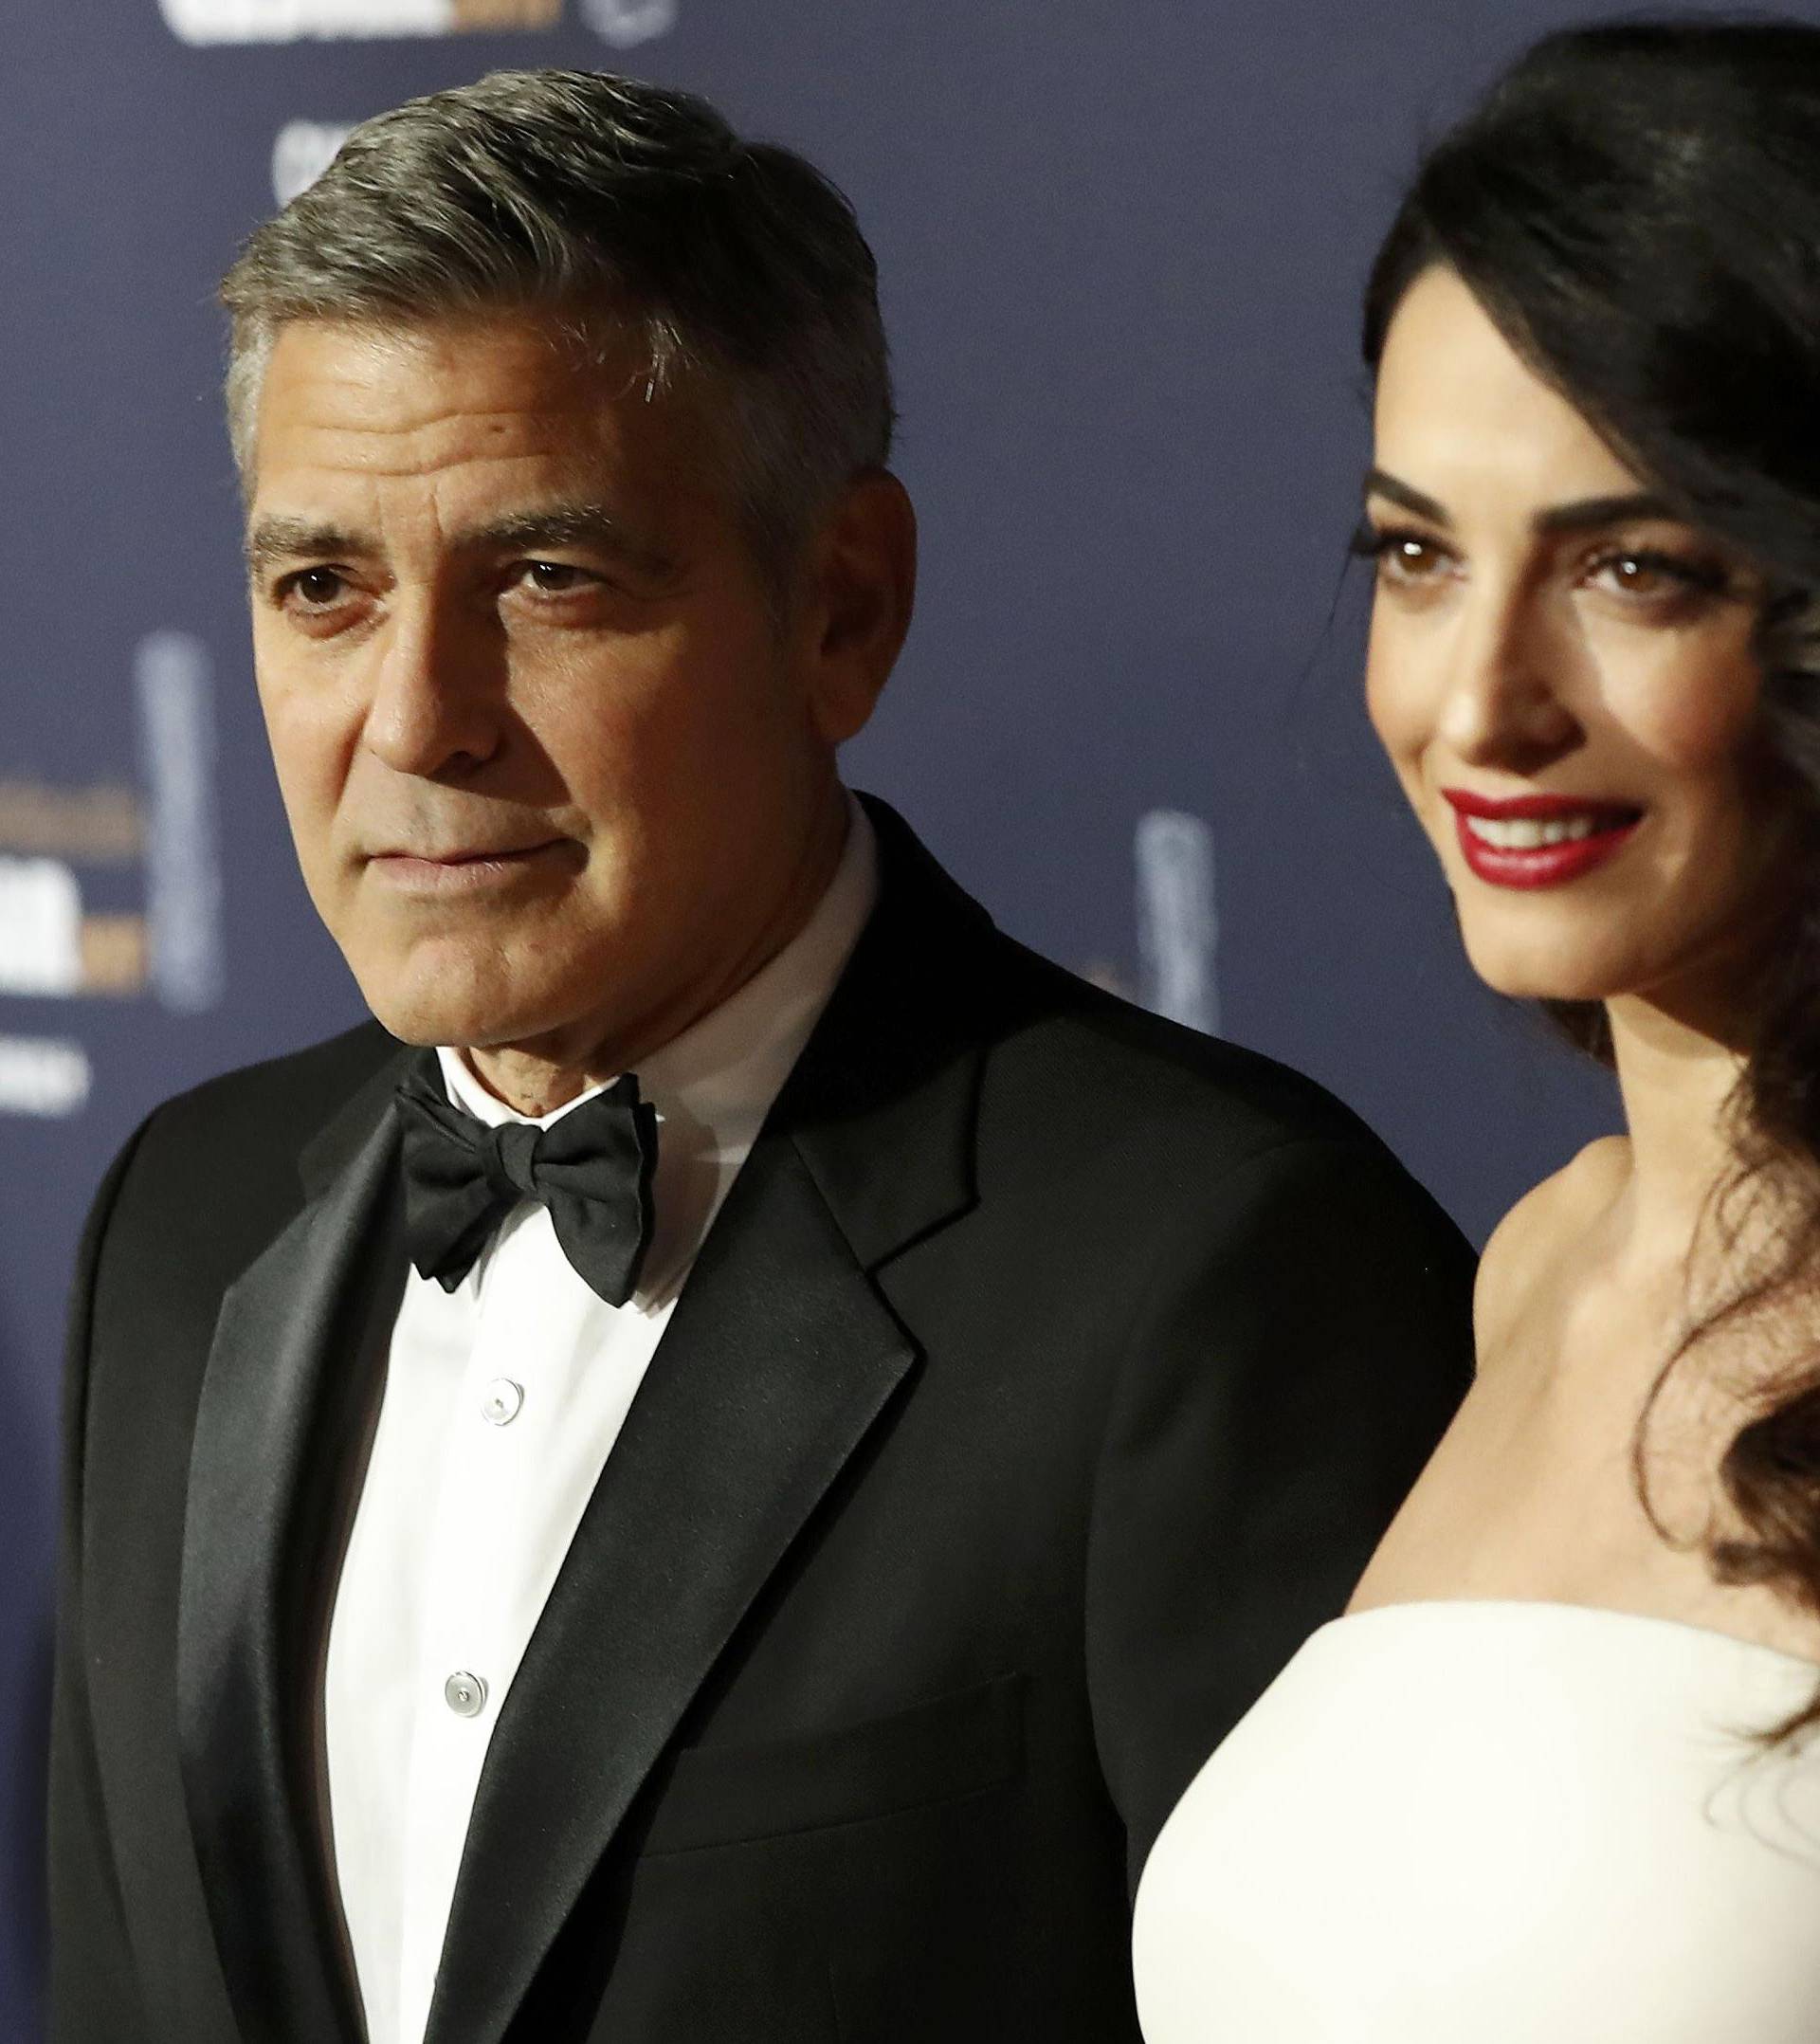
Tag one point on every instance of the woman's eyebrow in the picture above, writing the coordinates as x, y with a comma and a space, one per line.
1380, 482
1586, 514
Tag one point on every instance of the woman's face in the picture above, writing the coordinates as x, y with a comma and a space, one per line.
1562, 674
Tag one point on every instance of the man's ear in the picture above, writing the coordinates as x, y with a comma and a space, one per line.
859, 588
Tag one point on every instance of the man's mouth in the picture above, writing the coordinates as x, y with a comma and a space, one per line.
451, 868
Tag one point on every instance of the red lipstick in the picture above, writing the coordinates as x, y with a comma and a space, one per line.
1539, 840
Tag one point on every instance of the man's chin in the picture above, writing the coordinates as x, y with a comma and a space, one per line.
430, 1017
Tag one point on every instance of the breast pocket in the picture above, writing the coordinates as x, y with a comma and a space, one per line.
952, 1747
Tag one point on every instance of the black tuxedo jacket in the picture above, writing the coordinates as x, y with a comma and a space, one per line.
1049, 1375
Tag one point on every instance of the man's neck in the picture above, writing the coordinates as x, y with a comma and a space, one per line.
537, 1077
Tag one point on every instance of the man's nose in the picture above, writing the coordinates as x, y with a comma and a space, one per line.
1508, 684
436, 708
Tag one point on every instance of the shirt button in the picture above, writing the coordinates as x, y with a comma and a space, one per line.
464, 1694
503, 1402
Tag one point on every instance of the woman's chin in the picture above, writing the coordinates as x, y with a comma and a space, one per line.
1527, 977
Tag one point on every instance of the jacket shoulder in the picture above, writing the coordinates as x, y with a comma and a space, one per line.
1139, 1145
1116, 1073
205, 1182
277, 1105
218, 1167
1071, 1069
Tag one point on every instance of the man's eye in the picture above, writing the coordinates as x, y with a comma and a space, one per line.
314, 588
556, 578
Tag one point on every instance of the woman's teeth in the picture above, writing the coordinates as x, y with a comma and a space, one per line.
1529, 833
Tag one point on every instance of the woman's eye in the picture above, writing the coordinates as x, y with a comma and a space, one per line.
1402, 557
1636, 574
1409, 561
1651, 576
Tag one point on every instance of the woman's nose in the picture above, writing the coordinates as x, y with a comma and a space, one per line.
1506, 701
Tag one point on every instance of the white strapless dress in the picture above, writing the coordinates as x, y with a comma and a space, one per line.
1496, 1823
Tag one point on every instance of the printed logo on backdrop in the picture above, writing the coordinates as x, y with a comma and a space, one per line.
624, 24
68, 854
304, 149
1179, 923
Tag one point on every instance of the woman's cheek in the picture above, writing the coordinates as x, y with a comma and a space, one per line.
1692, 711
1392, 700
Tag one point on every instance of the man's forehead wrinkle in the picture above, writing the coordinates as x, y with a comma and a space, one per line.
398, 367
433, 518
407, 395
447, 438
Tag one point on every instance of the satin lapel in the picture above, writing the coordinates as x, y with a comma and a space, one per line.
780, 1357
277, 1400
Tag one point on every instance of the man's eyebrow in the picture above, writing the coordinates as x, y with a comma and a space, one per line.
562, 525
279, 538
283, 537
1380, 482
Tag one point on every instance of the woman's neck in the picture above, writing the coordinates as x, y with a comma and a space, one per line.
1677, 1081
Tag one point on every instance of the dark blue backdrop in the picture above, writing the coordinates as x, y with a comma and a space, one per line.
1121, 241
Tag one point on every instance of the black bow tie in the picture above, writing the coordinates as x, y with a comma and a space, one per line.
591, 1169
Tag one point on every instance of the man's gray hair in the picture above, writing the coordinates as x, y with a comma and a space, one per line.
612, 203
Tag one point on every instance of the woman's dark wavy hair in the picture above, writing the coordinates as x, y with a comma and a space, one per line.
1637, 208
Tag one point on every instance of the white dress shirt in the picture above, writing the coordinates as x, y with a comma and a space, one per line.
503, 1401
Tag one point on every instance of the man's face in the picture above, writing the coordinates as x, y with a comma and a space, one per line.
549, 759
